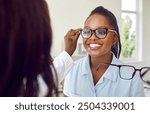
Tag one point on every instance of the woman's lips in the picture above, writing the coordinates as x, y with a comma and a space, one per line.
94, 46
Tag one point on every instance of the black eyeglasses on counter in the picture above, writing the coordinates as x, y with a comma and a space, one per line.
127, 72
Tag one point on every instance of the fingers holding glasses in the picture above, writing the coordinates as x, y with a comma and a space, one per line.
71, 40
73, 34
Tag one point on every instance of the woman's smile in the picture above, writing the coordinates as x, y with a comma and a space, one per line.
94, 46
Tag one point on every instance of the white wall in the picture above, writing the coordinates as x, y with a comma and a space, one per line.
146, 32
67, 14
145, 35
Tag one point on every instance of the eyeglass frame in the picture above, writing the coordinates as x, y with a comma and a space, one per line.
94, 31
135, 70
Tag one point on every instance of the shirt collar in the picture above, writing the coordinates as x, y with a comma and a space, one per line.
86, 66
111, 73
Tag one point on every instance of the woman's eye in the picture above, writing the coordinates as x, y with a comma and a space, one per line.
86, 32
101, 32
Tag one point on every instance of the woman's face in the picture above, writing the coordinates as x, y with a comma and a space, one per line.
93, 45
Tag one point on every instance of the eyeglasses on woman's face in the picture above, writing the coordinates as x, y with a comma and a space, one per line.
100, 33
127, 72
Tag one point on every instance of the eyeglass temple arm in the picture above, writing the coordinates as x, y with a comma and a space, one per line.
98, 67
101, 65
148, 82
104, 64
144, 72
113, 31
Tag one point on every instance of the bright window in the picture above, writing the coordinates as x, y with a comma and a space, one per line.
130, 30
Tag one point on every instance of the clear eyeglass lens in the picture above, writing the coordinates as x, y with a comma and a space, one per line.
101, 32
86, 33
126, 72
146, 76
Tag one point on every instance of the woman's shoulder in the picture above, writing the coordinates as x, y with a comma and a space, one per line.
117, 61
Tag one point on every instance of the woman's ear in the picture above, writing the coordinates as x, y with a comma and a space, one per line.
115, 40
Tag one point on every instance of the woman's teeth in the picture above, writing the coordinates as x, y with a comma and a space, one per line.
94, 45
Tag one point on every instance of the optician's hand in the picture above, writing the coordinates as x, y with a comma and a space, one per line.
71, 39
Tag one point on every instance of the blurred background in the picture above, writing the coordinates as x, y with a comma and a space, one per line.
133, 19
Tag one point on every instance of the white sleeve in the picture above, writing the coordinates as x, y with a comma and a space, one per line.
63, 63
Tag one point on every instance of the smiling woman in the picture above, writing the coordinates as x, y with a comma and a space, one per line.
72, 14
101, 40
73, 17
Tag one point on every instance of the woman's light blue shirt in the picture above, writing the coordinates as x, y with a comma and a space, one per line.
79, 82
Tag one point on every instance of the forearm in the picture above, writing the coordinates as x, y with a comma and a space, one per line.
63, 63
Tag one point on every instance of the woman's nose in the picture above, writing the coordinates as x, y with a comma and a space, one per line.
93, 36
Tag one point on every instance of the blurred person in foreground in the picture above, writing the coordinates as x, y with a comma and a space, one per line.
25, 47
